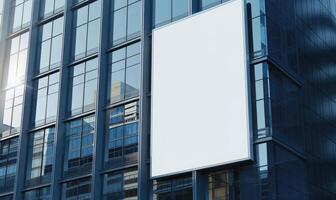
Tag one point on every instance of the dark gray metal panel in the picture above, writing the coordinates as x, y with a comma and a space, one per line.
144, 182
199, 184
60, 128
28, 98
98, 153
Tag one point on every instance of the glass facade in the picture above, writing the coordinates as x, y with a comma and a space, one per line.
21, 14
122, 136
50, 7
40, 157
38, 194
125, 20
47, 99
86, 30
84, 87
75, 102
125, 73
79, 146
8, 160
51, 45
121, 185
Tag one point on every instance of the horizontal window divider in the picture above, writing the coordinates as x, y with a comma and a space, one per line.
42, 127
26, 189
74, 178
86, 58
44, 74
50, 18
122, 102
18, 32
81, 4
9, 137
13, 86
5, 194
106, 171
81, 115
124, 44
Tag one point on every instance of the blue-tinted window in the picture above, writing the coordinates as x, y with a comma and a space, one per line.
84, 87
122, 136
79, 146
87, 30
46, 99
125, 20
8, 159
78, 189
170, 10
121, 185
38, 194
125, 73
50, 7
40, 157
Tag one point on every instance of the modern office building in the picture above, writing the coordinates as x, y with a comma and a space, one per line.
168, 99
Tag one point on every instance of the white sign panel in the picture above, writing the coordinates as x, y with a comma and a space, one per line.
200, 105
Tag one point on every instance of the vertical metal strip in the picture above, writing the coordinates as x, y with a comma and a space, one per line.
98, 153
144, 182
60, 129
27, 102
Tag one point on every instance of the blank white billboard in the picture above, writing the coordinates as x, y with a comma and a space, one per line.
200, 96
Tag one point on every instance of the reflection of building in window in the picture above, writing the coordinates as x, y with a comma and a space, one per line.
122, 136
40, 193
121, 185
40, 157
84, 87
219, 186
8, 159
77, 189
79, 146
173, 189
125, 73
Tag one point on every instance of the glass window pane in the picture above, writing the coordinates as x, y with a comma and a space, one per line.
119, 26
90, 95
180, 8
56, 51
162, 11
17, 17
117, 85
27, 12
82, 15
208, 3
52, 107
93, 36
58, 26
48, 7
134, 20
77, 98
80, 46
45, 56
59, 4
94, 10
132, 81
